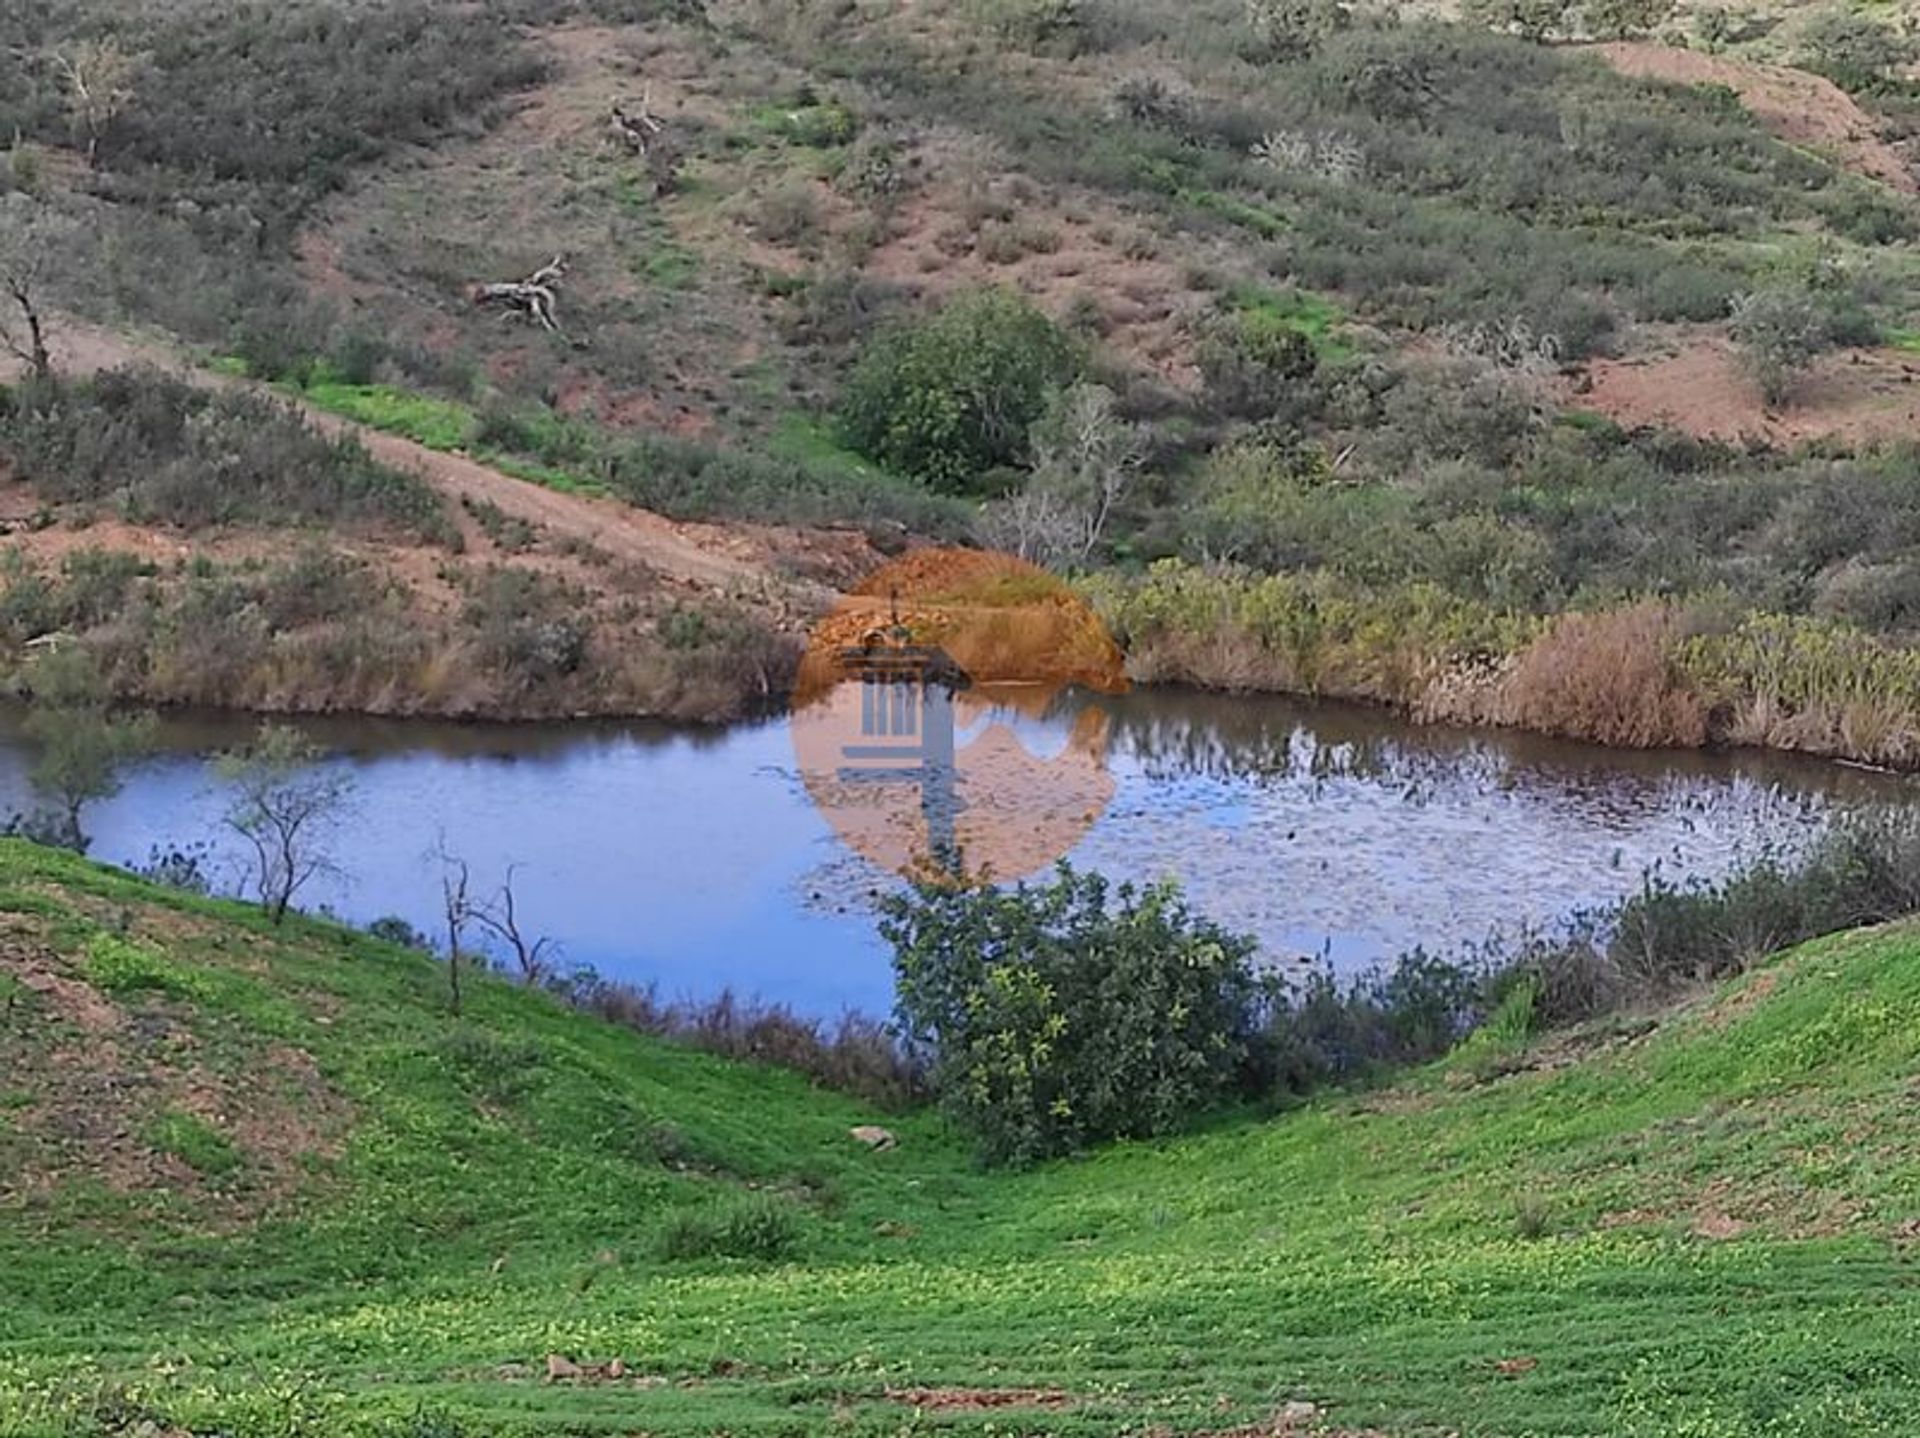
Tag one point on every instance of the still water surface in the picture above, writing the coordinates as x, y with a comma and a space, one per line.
694, 860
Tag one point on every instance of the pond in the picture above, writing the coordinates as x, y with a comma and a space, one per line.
697, 860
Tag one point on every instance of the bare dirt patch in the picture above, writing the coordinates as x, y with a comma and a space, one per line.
1066, 251
1798, 107
1690, 380
96, 1080
1741, 1001
69, 999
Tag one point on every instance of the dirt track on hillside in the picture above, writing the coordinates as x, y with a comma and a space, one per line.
707, 556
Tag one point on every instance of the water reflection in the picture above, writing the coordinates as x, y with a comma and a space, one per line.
695, 859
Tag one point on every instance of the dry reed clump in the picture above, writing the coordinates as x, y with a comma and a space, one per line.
1608, 678
1227, 659
1812, 685
1463, 691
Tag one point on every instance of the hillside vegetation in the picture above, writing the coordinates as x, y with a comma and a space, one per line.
1585, 356
262, 1182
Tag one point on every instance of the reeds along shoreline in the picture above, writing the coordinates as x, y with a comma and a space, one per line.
1641, 674
314, 635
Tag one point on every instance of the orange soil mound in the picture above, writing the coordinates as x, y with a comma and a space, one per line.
1800, 108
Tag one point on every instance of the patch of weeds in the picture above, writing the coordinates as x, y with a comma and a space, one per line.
755, 1226
561, 481
1262, 222
1493, 1048
488, 1065
1531, 1216
811, 122
437, 423
1313, 316
1586, 421
22, 901
509, 532
195, 1142
665, 265
119, 966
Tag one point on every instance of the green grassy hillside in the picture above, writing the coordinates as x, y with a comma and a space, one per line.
264, 1183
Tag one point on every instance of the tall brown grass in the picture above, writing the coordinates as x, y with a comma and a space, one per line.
1609, 678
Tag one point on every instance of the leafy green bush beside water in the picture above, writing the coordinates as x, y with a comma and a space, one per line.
1069, 1014
1053, 1017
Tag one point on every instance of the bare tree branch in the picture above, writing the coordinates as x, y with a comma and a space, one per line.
458, 907
31, 242
501, 918
636, 130
536, 297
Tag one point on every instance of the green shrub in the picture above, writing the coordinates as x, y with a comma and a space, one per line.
1255, 362
1856, 51
755, 1226
1778, 333
949, 399
530, 628
820, 124
1063, 1015
169, 452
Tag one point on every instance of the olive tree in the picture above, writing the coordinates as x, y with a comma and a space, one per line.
285, 805
1777, 335
97, 76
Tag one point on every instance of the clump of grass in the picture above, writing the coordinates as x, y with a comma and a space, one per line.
1610, 678
437, 423
195, 1142
119, 966
500, 1069
752, 1226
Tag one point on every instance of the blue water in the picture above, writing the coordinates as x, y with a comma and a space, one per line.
695, 861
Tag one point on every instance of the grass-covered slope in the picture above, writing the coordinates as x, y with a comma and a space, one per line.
264, 1183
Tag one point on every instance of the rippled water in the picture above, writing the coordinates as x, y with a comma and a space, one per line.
695, 860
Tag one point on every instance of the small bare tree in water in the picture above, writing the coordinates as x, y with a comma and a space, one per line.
285, 807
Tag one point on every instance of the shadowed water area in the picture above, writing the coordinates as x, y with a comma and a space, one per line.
695, 860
